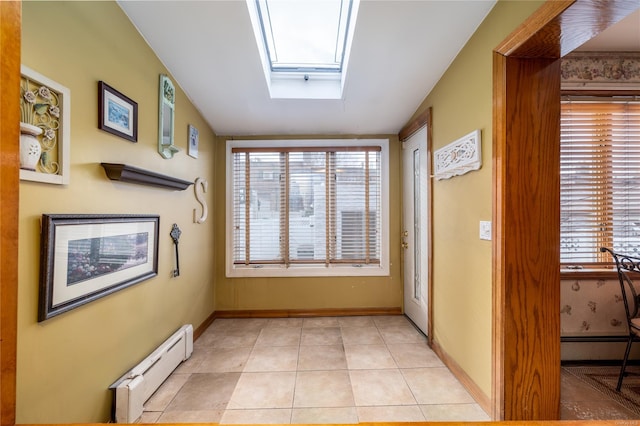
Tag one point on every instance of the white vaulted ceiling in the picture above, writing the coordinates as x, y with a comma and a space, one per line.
400, 50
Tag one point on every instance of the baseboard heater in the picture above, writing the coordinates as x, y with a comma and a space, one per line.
133, 389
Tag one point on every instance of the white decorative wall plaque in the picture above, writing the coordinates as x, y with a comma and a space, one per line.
459, 157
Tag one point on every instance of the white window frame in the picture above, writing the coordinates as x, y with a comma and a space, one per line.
310, 270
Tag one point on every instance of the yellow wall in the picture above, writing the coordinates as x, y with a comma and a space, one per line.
65, 364
462, 103
306, 292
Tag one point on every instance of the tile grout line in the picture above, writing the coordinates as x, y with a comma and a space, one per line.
403, 376
295, 380
386, 344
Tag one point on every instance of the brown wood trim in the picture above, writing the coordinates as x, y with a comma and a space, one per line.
306, 313
284, 148
429, 124
539, 33
585, 19
586, 274
459, 423
528, 236
525, 380
560, 26
10, 41
481, 398
203, 327
325, 261
601, 93
421, 120
498, 296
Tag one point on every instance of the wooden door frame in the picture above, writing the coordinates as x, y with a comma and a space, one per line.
10, 33
526, 211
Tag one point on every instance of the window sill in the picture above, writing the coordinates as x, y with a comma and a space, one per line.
586, 274
307, 271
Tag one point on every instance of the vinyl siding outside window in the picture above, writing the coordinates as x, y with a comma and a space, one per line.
307, 208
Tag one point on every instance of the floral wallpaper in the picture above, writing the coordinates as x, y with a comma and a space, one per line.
595, 67
591, 307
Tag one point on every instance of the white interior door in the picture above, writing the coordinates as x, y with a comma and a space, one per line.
415, 227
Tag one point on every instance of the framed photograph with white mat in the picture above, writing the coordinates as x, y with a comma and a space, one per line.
117, 114
85, 257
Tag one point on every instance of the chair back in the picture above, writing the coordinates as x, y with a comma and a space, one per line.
627, 266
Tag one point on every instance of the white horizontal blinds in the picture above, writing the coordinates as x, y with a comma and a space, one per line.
307, 212
375, 206
240, 229
357, 194
307, 205
599, 179
257, 193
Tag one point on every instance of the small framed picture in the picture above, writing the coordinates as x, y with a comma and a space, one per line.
117, 114
193, 142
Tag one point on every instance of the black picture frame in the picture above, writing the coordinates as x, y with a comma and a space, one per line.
117, 114
84, 257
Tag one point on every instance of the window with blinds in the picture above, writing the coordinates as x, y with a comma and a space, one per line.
319, 206
599, 179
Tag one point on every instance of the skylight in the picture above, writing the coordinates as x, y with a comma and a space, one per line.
304, 45
304, 35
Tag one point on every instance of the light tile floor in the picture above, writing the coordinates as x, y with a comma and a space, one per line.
312, 370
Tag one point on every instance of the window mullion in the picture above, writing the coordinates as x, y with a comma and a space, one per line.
284, 244
327, 208
333, 205
367, 246
247, 209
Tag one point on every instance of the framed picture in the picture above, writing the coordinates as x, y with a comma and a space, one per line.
45, 126
86, 257
193, 141
117, 114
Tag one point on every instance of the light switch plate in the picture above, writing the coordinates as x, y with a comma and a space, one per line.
485, 230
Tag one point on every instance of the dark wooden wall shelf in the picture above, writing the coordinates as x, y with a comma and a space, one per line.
126, 173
